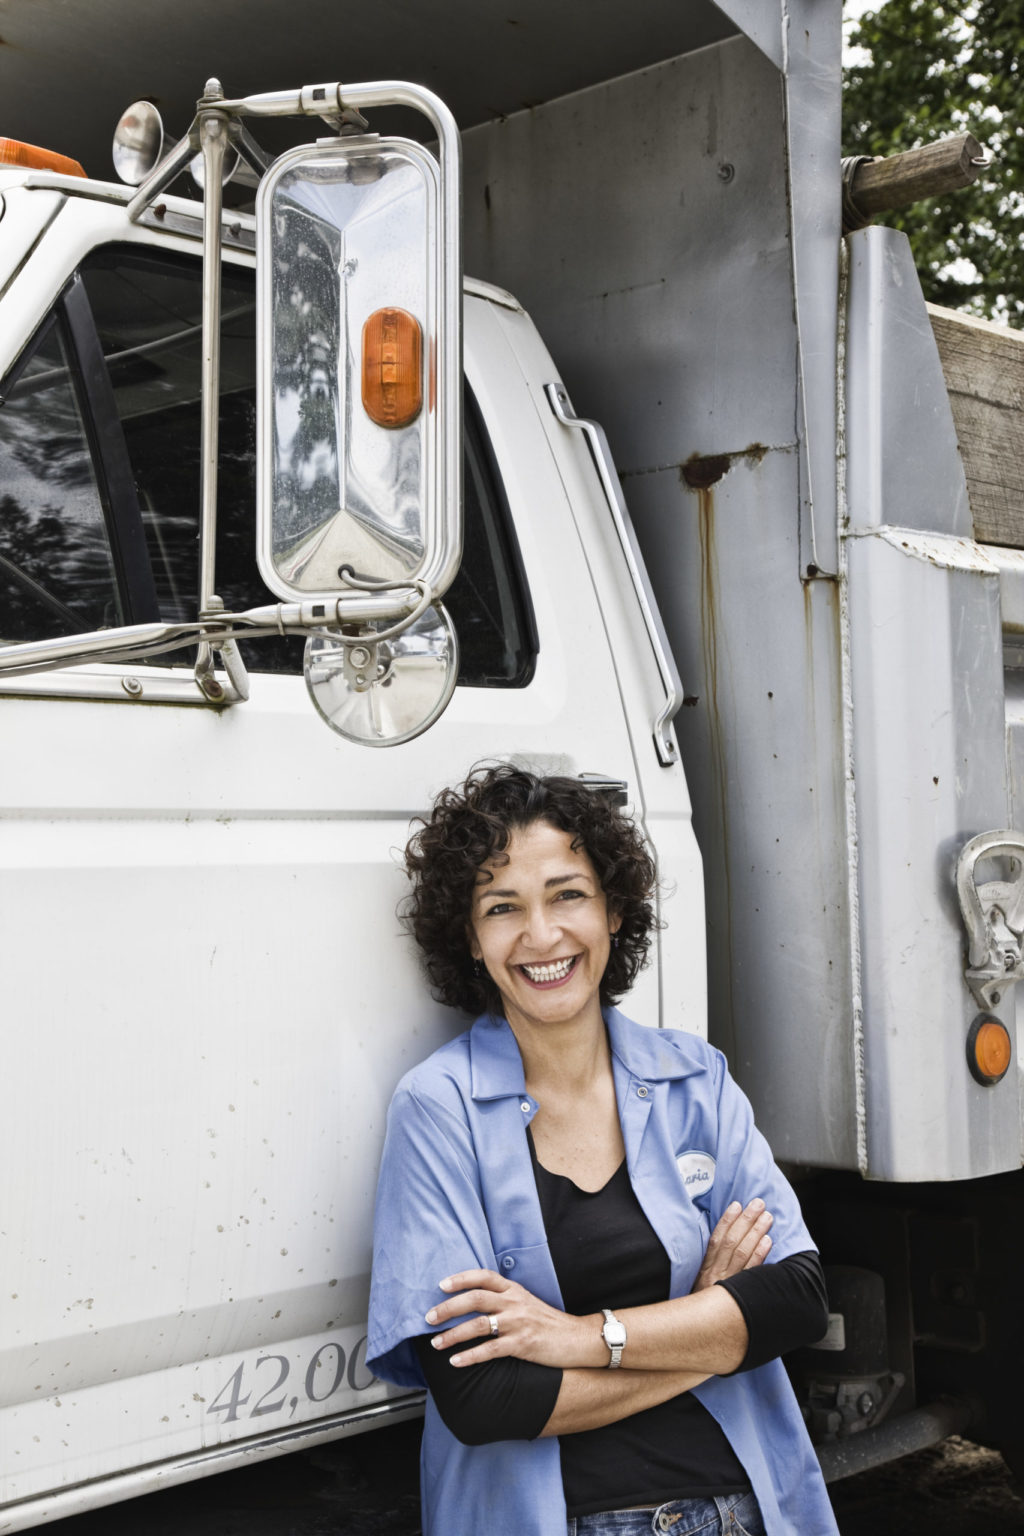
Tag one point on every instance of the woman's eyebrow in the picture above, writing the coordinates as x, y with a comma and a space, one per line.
487, 893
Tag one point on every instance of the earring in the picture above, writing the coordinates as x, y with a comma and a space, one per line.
478, 967
615, 940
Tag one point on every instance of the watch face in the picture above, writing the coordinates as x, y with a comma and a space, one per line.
614, 1334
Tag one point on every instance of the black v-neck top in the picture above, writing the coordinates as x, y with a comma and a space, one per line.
606, 1254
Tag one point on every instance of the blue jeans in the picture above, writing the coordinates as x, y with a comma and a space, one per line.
734, 1514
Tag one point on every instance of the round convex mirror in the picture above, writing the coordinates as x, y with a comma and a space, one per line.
382, 695
138, 142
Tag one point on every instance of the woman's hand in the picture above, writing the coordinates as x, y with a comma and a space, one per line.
527, 1327
739, 1241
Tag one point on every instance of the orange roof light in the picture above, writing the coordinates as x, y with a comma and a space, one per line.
392, 367
34, 159
989, 1050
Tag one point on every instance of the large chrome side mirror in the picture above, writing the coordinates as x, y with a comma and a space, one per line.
351, 377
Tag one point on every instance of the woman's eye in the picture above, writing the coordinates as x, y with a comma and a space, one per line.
499, 909
571, 895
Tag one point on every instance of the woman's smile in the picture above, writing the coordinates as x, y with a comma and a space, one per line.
550, 975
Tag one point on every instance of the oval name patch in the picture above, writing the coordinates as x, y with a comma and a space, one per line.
697, 1170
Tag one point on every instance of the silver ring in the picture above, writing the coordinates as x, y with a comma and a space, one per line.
493, 1320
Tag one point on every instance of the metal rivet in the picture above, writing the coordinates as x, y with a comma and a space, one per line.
131, 686
642, 1092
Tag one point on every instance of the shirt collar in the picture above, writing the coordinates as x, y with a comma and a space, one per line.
648, 1053
496, 1066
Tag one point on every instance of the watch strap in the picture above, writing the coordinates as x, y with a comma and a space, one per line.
614, 1335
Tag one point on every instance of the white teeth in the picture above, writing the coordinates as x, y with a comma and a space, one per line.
553, 972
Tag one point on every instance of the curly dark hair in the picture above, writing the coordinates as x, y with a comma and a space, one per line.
471, 825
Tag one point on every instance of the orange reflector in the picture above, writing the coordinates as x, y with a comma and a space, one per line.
34, 159
988, 1049
392, 367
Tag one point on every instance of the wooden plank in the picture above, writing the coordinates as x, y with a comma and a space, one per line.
932, 170
984, 368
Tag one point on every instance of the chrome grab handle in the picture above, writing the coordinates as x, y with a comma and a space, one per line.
597, 442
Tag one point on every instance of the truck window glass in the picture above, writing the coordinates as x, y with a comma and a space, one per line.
147, 311
56, 568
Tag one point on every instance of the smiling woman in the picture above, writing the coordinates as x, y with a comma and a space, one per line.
457, 853
541, 928
611, 1319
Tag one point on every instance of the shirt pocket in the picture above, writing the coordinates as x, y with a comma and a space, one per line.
531, 1267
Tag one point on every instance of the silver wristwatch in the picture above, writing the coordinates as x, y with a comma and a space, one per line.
614, 1334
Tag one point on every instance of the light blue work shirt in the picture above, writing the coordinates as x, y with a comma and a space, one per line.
457, 1192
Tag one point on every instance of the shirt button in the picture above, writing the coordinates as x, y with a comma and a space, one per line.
642, 1092
524, 1106
508, 1262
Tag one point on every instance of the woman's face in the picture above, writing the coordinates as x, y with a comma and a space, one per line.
542, 928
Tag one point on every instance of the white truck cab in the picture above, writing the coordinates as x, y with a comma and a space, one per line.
210, 998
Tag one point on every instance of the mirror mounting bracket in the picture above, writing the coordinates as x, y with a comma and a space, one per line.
414, 680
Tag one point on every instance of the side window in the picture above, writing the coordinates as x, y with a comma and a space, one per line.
57, 573
147, 310
488, 600
135, 349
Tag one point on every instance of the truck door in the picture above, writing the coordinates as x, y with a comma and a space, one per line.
208, 996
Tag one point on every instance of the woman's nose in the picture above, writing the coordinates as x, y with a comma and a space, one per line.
542, 929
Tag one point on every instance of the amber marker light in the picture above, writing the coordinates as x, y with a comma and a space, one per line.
29, 156
989, 1051
392, 367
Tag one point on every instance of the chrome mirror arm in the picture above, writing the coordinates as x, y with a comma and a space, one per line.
214, 141
217, 631
254, 156
168, 169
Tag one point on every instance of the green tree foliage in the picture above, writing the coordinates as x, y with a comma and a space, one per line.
924, 69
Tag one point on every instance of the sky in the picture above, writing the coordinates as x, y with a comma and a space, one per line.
853, 10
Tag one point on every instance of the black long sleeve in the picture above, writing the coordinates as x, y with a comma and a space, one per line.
784, 1306
504, 1399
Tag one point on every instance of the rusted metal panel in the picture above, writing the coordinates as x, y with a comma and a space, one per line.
761, 736
643, 224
